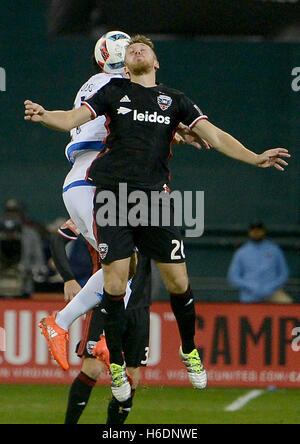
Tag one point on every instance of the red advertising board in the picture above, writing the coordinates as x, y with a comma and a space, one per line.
242, 345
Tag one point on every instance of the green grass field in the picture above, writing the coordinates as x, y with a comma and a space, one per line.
34, 404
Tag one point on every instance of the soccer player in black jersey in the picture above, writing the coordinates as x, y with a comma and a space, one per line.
135, 329
142, 118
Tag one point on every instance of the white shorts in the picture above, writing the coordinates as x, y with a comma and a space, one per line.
79, 202
78, 196
79, 169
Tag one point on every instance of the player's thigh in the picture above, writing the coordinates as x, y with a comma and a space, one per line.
115, 240
136, 337
79, 204
93, 368
116, 275
175, 276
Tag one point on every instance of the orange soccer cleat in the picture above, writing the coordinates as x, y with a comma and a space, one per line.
57, 339
100, 351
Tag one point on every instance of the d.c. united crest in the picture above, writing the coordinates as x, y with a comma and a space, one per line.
102, 250
164, 102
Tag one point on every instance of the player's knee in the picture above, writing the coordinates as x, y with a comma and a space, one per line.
135, 373
115, 286
93, 368
178, 285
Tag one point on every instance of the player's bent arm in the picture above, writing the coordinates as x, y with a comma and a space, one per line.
225, 143
57, 120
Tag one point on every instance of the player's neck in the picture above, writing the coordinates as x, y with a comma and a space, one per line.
147, 80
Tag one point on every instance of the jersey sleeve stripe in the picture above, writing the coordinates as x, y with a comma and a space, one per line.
196, 120
90, 108
66, 236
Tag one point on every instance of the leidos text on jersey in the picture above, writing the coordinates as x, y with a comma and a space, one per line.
152, 118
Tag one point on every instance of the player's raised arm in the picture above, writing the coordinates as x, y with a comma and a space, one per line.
228, 145
57, 120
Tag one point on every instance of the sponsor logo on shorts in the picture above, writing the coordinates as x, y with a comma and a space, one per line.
103, 250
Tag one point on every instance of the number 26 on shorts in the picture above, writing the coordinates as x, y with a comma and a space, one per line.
178, 247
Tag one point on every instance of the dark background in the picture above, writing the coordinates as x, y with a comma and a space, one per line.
243, 85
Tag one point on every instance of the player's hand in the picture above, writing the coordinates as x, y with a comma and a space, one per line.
187, 136
71, 288
273, 158
33, 111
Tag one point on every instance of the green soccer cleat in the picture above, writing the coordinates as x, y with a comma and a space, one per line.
196, 372
120, 385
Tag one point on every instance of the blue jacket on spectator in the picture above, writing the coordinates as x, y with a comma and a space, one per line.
258, 269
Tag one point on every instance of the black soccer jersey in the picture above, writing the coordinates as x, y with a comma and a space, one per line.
141, 123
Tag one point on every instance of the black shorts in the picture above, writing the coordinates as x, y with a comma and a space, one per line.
135, 335
163, 242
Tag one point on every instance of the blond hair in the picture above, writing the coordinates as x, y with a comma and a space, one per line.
140, 38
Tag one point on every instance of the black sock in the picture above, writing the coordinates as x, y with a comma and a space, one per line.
184, 311
117, 412
78, 397
114, 321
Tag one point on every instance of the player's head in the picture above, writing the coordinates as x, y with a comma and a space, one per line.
140, 57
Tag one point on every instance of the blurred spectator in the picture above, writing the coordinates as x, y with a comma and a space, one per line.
21, 256
14, 207
259, 269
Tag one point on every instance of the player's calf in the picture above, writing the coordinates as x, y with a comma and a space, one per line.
117, 412
184, 311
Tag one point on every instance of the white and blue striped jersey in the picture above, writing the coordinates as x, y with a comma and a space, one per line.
90, 136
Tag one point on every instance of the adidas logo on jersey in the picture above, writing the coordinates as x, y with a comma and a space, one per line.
51, 332
125, 99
